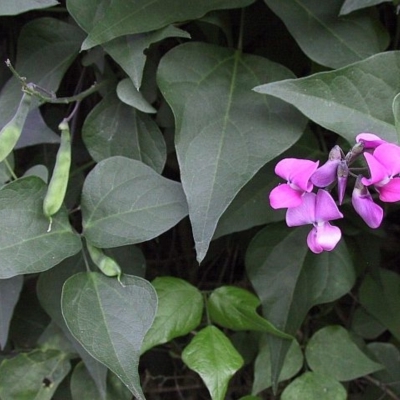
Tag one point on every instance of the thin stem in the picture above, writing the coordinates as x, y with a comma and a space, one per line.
10, 170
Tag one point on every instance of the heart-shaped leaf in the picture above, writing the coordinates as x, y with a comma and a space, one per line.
26, 246
327, 39
213, 357
235, 308
331, 352
124, 202
89, 303
221, 145
345, 101
180, 308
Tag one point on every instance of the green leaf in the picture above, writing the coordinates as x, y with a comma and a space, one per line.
365, 325
262, 366
20, 6
350, 100
389, 356
332, 352
46, 48
213, 357
326, 38
9, 294
128, 51
180, 308
114, 129
222, 144
49, 288
26, 246
105, 21
314, 386
33, 375
128, 94
354, 5
126, 202
396, 114
381, 298
235, 308
289, 280
89, 303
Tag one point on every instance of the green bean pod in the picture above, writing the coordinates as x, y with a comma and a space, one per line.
11, 132
58, 183
107, 265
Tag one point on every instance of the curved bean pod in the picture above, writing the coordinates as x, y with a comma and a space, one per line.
107, 265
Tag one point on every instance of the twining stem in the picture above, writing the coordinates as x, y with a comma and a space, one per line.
8, 166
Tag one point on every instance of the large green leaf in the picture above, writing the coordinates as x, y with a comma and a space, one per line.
46, 48
213, 357
110, 320
20, 6
124, 201
314, 386
33, 375
332, 352
326, 38
289, 280
128, 51
49, 289
26, 246
113, 128
381, 298
354, 5
180, 308
350, 100
105, 21
224, 133
236, 308
9, 294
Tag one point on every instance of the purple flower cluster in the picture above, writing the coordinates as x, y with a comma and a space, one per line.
306, 207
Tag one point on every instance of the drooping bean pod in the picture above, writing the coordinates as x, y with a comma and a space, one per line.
59, 180
107, 265
11, 132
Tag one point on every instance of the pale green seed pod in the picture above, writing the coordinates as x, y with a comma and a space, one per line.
11, 132
107, 265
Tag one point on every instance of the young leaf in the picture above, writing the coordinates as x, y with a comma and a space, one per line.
104, 21
89, 301
354, 99
124, 202
289, 280
222, 144
327, 39
26, 246
331, 352
314, 386
113, 128
9, 294
235, 308
128, 94
381, 298
33, 375
20, 6
262, 366
213, 357
180, 308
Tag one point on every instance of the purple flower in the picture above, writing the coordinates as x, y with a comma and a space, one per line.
369, 140
327, 174
297, 173
365, 207
384, 166
317, 209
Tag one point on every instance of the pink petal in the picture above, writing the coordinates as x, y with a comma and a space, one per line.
326, 174
391, 191
304, 213
388, 155
365, 207
377, 170
323, 237
325, 207
370, 140
283, 196
297, 171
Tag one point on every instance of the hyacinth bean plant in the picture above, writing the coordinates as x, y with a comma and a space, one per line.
200, 199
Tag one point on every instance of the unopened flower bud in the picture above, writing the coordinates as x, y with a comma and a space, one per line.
342, 174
